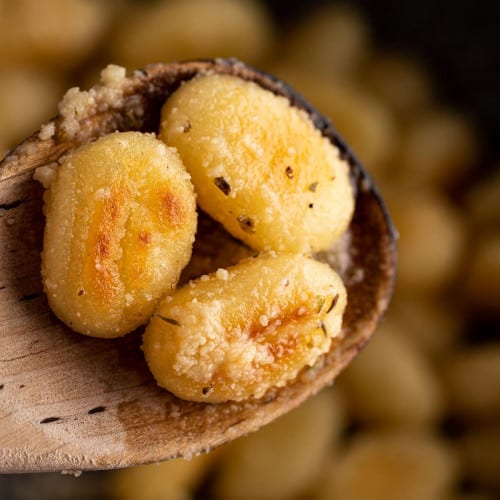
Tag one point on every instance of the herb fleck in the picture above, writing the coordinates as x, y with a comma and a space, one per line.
289, 172
334, 303
223, 185
246, 223
323, 328
313, 186
321, 302
171, 321
206, 390
311, 205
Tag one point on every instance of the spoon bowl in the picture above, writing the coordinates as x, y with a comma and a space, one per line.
70, 402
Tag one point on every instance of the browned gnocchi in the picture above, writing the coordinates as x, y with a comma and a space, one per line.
236, 333
120, 224
258, 164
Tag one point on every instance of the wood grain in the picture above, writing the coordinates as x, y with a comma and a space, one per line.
69, 402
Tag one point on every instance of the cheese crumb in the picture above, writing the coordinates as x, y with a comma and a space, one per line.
74, 106
113, 75
47, 131
222, 274
45, 174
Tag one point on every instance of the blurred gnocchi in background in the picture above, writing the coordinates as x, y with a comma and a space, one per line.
417, 415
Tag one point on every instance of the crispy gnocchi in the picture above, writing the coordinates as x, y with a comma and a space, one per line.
236, 333
120, 224
258, 164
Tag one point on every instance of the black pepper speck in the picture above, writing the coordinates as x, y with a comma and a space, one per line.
246, 223
223, 185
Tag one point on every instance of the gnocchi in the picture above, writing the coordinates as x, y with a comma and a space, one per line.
392, 383
236, 333
334, 38
392, 465
192, 29
283, 469
258, 164
426, 264
113, 209
58, 34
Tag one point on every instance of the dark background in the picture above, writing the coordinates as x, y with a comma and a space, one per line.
459, 41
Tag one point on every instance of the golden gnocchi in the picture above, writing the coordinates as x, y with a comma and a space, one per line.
236, 333
120, 224
258, 164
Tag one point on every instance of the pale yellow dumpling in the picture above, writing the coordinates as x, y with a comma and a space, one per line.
120, 223
163, 30
258, 164
55, 34
236, 333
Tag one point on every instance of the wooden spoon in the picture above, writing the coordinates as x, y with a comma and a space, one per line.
70, 402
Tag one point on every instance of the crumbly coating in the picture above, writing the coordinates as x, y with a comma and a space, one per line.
77, 105
120, 223
236, 333
259, 165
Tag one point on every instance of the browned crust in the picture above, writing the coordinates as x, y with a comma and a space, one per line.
141, 423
